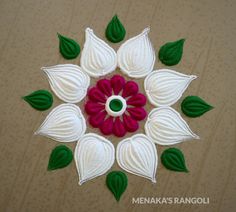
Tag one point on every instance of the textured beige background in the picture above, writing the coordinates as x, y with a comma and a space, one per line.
28, 41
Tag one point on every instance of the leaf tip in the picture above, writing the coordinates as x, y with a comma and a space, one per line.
59, 35
24, 98
49, 168
186, 170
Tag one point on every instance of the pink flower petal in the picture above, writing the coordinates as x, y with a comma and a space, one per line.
93, 107
96, 95
130, 88
130, 124
104, 86
117, 83
137, 113
137, 100
98, 119
118, 128
107, 126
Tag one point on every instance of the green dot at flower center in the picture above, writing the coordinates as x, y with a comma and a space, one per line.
116, 105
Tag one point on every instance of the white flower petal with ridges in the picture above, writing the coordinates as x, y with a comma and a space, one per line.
68, 82
97, 58
65, 123
94, 156
138, 156
165, 126
136, 57
164, 87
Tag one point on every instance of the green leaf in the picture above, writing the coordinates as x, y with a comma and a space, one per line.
173, 159
40, 99
115, 31
194, 106
61, 156
117, 183
69, 48
171, 53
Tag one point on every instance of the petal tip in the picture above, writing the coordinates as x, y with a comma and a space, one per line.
81, 182
146, 31
37, 132
45, 70
88, 29
153, 180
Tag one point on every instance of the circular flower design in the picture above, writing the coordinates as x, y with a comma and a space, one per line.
115, 106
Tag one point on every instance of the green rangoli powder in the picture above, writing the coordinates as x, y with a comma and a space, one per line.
171, 53
69, 48
115, 31
117, 182
40, 99
61, 156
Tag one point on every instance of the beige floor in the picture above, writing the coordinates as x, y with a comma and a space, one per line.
28, 41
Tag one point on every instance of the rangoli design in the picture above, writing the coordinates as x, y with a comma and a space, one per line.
115, 105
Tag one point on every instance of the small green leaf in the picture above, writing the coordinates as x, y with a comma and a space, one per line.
194, 106
173, 159
61, 156
115, 31
117, 183
171, 53
69, 48
40, 100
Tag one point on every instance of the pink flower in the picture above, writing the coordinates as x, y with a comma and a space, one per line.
115, 106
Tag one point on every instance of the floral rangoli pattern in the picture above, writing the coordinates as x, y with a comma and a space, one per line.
116, 106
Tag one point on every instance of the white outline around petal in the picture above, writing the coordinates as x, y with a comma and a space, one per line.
68, 82
65, 123
96, 162
164, 87
138, 155
165, 126
97, 57
136, 56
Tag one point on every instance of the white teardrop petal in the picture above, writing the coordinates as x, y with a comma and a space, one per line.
138, 156
164, 87
68, 82
165, 126
65, 123
136, 57
94, 156
97, 58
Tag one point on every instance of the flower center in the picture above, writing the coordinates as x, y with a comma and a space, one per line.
115, 105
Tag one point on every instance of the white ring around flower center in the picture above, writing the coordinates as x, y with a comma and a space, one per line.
115, 113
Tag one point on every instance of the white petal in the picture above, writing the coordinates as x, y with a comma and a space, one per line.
164, 87
68, 82
94, 156
65, 123
138, 156
136, 57
97, 58
165, 126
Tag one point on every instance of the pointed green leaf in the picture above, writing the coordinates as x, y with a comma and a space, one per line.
115, 31
69, 48
117, 183
194, 106
173, 159
40, 100
171, 53
61, 156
